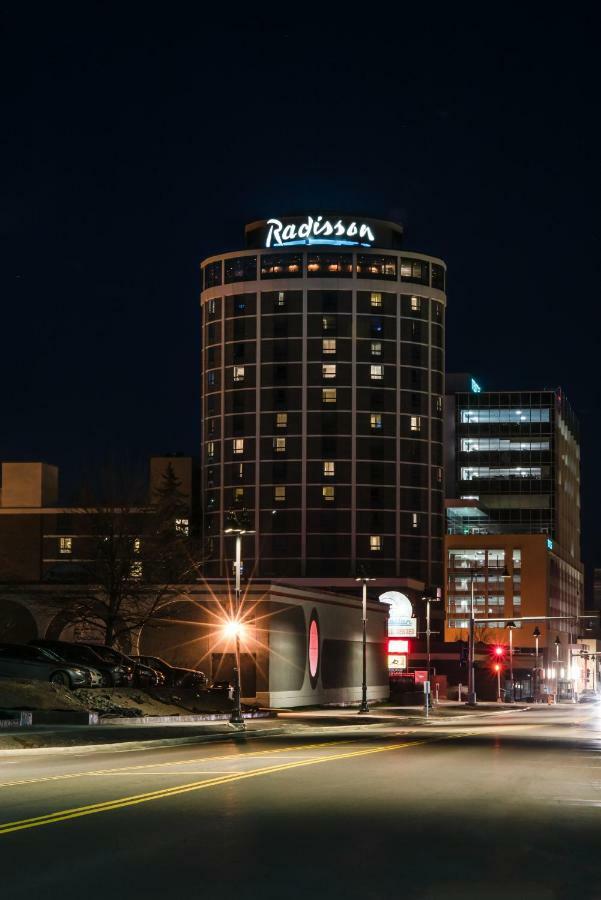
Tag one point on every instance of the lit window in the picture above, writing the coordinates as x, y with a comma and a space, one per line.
280, 300
281, 420
279, 444
328, 346
238, 373
377, 373
329, 370
375, 542
182, 526
138, 544
211, 379
66, 545
241, 470
238, 495
211, 449
376, 348
414, 520
328, 323
375, 421
439, 404
136, 570
375, 300
212, 307
328, 492
279, 493
328, 395
329, 467
416, 423
438, 473
238, 445
416, 304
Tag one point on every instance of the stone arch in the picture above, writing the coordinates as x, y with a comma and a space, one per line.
62, 628
17, 625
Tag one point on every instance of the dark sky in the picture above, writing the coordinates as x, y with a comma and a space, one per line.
139, 140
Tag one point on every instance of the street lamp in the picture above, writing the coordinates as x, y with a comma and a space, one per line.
237, 529
511, 626
557, 643
536, 635
498, 671
432, 594
364, 708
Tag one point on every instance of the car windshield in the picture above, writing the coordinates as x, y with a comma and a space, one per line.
77, 653
108, 655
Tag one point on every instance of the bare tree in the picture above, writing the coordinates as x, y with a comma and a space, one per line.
130, 559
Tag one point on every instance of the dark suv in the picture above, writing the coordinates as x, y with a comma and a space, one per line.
175, 676
114, 675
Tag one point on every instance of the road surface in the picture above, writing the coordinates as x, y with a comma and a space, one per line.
489, 806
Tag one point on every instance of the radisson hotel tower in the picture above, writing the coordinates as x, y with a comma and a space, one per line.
322, 402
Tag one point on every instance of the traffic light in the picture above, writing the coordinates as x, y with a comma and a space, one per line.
498, 651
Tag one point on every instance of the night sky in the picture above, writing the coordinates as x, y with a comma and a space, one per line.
139, 141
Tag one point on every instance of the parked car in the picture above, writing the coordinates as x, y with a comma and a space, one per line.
142, 675
175, 676
588, 696
40, 664
112, 675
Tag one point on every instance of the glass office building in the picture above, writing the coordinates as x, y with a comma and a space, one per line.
322, 400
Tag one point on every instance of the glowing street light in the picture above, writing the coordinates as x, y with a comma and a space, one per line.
510, 626
234, 626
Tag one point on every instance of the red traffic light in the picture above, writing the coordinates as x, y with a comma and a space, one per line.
499, 651
497, 667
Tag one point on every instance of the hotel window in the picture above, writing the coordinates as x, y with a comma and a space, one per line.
281, 420
328, 493
213, 274
211, 378
439, 404
415, 270
416, 423
137, 545
376, 348
212, 307
135, 570
279, 493
375, 542
66, 545
279, 444
377, 373
240, 470
375, 266
240, 268
416, 304
328, 346
238, 373
281, 266
438, 474
414, 520
280, 299
375, 300
437, 277
375, 421
238, 495
182, 526
328, 395
331, 265
238, 445
328, 323
328, 370
329, 467
211, 449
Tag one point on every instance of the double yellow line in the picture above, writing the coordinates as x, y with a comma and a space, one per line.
109, 805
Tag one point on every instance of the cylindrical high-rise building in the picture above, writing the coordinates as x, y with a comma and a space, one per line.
322, 400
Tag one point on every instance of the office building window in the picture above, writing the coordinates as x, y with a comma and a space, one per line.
279, 444
328, 492
377, 373
328, 346
470, 445
281, 420
66, 545
238, 373
504, 415
375, 421
375, 542
238, 445
279, 493
469, 473
376, 348
329, 467
211, 449
416, 423
182, 526
328, 395
328, 370
375, 300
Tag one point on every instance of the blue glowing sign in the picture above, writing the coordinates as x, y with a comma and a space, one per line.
319, 231
549, 544
476, 389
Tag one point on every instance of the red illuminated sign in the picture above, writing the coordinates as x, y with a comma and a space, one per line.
313, 647
421, 675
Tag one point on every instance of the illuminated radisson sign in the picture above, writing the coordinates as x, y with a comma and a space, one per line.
318, 231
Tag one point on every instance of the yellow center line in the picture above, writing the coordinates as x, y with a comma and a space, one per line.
109, 805
175, 762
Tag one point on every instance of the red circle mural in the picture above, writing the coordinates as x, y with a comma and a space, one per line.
313, 649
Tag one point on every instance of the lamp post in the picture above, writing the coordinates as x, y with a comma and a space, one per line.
238, 530
498, 671
557, 643
432, 594
471, 692
536, 635
364, 708
511, 626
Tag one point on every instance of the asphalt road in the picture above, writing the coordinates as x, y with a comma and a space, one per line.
495, 806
